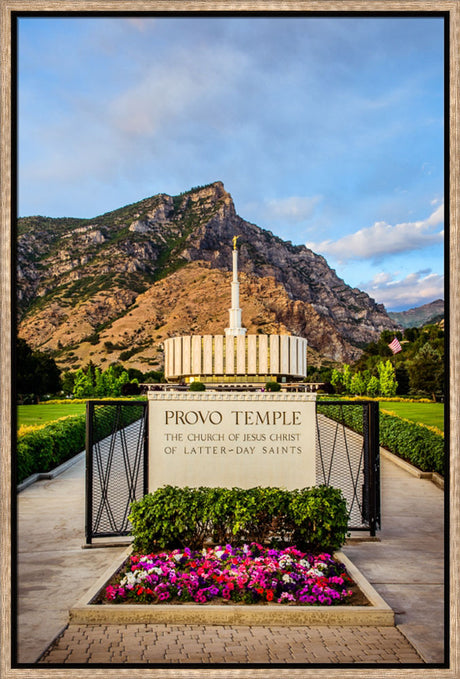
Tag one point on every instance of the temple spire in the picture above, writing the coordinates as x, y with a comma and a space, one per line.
235, 328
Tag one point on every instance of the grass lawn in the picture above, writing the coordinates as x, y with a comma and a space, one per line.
41, 413
431, 414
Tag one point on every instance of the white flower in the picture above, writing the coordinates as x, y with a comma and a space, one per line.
286, 578
315, 571
130, 579
304, 563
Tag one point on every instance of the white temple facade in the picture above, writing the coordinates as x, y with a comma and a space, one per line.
235, 356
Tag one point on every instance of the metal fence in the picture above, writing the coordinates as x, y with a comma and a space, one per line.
116, 464
347, 457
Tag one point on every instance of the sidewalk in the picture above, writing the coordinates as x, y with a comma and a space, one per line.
50, 559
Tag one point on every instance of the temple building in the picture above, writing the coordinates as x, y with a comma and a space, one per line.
235, 357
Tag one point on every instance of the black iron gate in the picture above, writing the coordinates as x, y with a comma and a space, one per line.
347, 457
116, 464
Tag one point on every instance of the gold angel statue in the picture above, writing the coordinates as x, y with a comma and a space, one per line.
235, 238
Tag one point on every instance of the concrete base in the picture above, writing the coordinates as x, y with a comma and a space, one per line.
377, 613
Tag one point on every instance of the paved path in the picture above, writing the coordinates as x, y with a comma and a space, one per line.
209, 644
406, 567
54, 570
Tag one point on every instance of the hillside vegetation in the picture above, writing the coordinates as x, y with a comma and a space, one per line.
114, 287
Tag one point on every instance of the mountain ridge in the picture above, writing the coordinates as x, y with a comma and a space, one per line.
77, 278
418, 316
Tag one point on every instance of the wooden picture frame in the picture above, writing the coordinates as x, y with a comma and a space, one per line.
9, 10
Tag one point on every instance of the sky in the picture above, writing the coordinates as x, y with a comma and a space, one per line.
327, 131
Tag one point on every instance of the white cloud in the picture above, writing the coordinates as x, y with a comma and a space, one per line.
188, 89
415, 289
382, 239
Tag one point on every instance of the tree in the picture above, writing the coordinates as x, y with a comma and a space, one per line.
110, 379
120, 383
100, 386
131, 388
36, 372
48, 375
25, 369
83, 386
68, 381
411, 334
154, 376
337, 381
402, 377
358, 384
426, 371
388, 384
135, 374
373, 387
346, 378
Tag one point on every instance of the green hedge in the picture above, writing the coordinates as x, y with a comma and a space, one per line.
314, 518
413, 442
47, 447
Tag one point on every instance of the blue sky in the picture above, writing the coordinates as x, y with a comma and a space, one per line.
328, 131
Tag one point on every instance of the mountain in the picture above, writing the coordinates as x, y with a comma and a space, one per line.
116, 286
419, 316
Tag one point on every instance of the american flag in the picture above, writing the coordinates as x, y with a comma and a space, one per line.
395, 346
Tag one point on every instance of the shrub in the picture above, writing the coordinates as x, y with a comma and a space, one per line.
272, 386
320, 518
197, 386
413, 442
171, 517
49, 446
40, 449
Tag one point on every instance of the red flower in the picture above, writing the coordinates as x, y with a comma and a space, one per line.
139, 591
269, 595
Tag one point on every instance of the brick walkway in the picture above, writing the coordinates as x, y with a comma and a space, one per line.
224, 644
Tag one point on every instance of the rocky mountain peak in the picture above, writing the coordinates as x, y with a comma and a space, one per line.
78, 278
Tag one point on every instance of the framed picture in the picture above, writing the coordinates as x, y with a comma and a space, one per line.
239, 198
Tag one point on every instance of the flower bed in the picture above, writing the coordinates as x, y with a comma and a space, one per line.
250, 574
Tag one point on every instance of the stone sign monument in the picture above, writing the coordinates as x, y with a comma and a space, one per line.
232, 439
